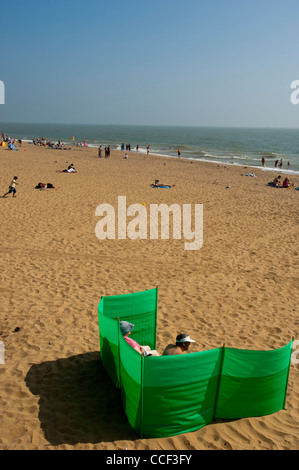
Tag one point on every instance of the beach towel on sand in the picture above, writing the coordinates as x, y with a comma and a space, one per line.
162, 186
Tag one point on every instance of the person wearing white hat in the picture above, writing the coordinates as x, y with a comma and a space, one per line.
180, 347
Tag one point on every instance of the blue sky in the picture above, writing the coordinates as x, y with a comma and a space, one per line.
190, 62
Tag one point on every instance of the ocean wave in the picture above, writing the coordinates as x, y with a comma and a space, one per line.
248, 165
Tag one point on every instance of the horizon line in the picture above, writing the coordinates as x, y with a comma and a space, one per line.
149, 125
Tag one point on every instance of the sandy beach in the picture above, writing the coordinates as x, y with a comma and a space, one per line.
240, 288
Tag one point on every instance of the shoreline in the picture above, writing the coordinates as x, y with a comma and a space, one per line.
143, 153
244, 165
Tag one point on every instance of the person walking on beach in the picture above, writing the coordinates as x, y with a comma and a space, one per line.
12, 187
179, 153
100, 151
182, 345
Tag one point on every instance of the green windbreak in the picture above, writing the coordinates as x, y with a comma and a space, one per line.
179, 392
168, 395
253, 383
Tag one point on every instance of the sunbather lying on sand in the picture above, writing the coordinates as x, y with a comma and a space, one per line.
44, 186
12, 147
70, 169
161, 185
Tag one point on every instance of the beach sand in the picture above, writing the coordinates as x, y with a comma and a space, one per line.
240, 288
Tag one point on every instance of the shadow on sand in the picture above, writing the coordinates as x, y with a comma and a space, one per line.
78, 403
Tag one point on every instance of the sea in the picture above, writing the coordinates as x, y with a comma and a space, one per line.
230, 146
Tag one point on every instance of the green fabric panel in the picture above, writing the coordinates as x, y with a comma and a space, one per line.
144, 333
247, 363
179, 392
138, 308
253, 383
131, 383
109, 350
134, 304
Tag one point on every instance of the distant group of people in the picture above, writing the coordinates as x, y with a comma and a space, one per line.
9, 142
82, 144
57, 147
51, 145
127, 147
107, 151
180, 346
278, 183
277, 163
41, 142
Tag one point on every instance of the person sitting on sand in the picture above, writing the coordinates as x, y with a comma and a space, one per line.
287, 183
126, 328
180, 347
276, 182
